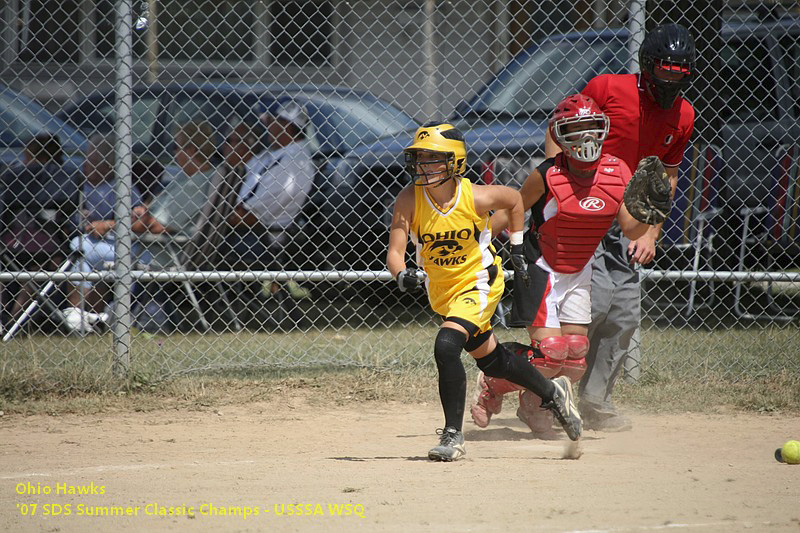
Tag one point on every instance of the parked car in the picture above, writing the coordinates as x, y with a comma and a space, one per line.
505, 121
340, 118
22, 118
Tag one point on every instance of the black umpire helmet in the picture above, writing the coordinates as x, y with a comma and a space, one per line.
669, 47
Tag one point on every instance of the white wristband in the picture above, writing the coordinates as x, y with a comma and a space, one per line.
516, 237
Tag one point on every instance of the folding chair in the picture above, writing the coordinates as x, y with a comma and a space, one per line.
199, 250
688, 233
73, 257
771, 230
39, 299
7, 259
173, 245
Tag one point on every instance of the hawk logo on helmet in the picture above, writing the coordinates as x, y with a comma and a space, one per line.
583, 111
590, 203
436, 138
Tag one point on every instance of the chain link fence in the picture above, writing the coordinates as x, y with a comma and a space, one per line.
198, 185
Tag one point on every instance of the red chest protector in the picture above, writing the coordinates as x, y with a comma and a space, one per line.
586, 211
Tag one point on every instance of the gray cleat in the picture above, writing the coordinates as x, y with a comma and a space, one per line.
563, 407
451, 445
611, 422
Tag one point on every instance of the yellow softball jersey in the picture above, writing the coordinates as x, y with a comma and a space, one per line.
465, 278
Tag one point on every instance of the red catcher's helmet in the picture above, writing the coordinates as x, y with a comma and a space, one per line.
583, 143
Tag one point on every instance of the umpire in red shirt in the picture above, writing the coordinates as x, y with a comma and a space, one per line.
648, 116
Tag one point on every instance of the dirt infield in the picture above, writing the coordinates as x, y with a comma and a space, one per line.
294, 467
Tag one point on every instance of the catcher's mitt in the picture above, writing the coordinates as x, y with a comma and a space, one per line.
648, 196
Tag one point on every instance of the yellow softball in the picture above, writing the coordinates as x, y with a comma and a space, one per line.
789, 453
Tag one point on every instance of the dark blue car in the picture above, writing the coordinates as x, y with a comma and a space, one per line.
340, 118
505, 122
22, 119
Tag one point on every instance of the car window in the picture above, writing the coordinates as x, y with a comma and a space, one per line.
143, 116
204, 107
542, 80
17, 122
790, 46
21, 118
357, 121
748, 92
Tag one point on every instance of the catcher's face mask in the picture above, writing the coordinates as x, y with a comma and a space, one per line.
579, 127
581, 137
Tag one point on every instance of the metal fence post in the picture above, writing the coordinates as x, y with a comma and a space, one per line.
122, 167
637, 29
431, 105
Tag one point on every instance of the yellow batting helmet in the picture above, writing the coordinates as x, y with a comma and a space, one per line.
438, 138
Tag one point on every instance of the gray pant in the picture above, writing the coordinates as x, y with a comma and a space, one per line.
615, 319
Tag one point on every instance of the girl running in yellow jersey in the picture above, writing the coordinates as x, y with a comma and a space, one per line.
448, 220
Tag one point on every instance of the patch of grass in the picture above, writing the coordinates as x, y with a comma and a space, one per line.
756, 369
340, 387
778, 393
730, 354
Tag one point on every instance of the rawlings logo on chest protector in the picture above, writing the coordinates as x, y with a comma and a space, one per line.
590, 203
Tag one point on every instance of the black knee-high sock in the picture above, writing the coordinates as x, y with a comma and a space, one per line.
501, 363
452, 376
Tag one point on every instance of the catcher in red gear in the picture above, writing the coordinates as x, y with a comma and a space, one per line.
574, 198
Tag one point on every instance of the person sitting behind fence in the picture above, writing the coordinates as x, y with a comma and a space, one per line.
37, 201
276, 185
175, 210
245, 147
96, 244
212, 244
